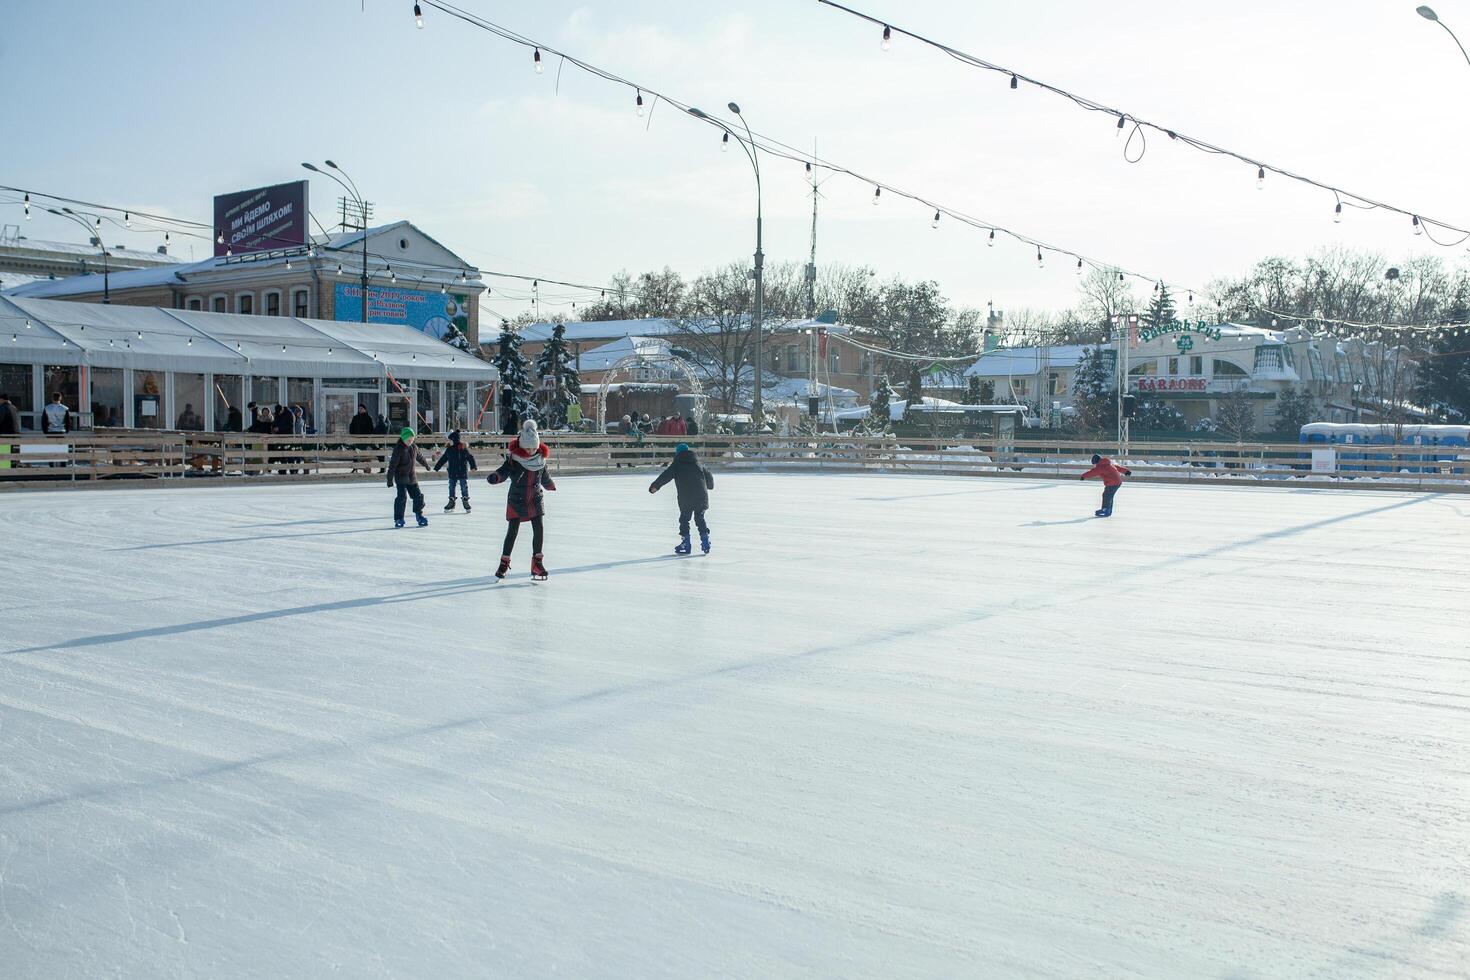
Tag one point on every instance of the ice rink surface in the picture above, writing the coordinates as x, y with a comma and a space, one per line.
892, 727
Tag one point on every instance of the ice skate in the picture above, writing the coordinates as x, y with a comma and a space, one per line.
423, 521
704, 541
538, 570
398, 523
467, 505
449, 506
683, 547
504, 566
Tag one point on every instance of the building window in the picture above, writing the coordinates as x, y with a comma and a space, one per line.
196, 302
834, 363
1051, 385
299, 303
273, 303
245, 303
1019, 387
1173, 366
1227, 369
1268, 359
217, 304
1196, 365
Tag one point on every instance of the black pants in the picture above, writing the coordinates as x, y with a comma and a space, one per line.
684, 515
1108, 494
538, 536
406, 490
463, 485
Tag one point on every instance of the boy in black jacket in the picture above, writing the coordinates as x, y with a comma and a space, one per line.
457, 455
694, 483
401, 471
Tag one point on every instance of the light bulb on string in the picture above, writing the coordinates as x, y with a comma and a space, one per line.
1040, 260
1191, 297
166, 239
1014, 83
935, 222
329, 352
418, 17
28, 324
219, 239
536, 60
725, 143
127, 220
1119, 131
1260, 178
990, 242
887, 38
1120, 276
638, 106
140, 335
1418, 228
189, 342
288, 262
1337, 214
443, 288
877, 192
339, 268
28, 205
1079, 267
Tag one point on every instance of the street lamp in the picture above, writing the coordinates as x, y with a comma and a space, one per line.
362, 210
1428, 14
92, 232
747, 144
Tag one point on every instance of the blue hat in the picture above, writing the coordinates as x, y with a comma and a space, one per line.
682, 447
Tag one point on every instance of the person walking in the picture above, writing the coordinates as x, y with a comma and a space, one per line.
460, 461
54, 416
361, 423
1112, 476
694, 483
402, 472
574, 415
525, 470
9, 417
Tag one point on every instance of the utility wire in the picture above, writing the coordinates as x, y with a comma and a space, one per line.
1139, 126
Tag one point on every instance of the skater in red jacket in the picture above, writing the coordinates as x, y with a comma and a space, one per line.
525, 470
1112, 476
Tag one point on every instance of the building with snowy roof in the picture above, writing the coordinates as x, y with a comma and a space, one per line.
29, 260
413, 281
136, 367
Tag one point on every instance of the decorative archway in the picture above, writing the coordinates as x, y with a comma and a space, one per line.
624, 366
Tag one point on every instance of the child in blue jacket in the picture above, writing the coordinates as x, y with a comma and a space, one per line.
460, 462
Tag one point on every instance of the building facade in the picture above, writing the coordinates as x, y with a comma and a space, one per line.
412, 281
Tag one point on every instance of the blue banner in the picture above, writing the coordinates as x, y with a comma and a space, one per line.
432, 312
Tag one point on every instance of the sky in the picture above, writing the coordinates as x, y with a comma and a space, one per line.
160, 105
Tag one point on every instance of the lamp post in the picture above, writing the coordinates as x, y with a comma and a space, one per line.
92, 232
361, 210
1428, 14
747, 144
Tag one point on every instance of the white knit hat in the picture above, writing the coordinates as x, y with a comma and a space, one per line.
530, 438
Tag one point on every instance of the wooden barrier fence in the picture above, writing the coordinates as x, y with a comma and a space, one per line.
93, 458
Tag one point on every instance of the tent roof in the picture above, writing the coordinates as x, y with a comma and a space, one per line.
157, 339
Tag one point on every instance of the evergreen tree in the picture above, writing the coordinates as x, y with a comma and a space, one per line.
1294, 409
515, 383
1157, 415
913, 390
1094, 392
1443, 376
456, 338
972, 391
882, 402
557, 363
1161, 310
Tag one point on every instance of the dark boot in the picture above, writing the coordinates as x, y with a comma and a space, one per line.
538, 570
504, 566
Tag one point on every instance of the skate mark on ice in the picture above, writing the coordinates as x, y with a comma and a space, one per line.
956, 493
1395, 956
252, 537
1075, 520
433, 590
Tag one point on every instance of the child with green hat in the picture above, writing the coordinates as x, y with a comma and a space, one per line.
402, 472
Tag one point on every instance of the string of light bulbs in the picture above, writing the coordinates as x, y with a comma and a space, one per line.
209, 233
1419, 223
776, 148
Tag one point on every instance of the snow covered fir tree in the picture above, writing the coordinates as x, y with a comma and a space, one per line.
516, 390
561, 384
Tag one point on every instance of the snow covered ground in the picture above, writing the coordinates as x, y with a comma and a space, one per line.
892, 727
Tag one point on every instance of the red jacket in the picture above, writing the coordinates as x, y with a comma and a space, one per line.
1110, 472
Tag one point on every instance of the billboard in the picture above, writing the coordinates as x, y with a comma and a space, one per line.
429, 311
261, 219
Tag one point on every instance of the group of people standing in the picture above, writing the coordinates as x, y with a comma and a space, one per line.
526, 473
